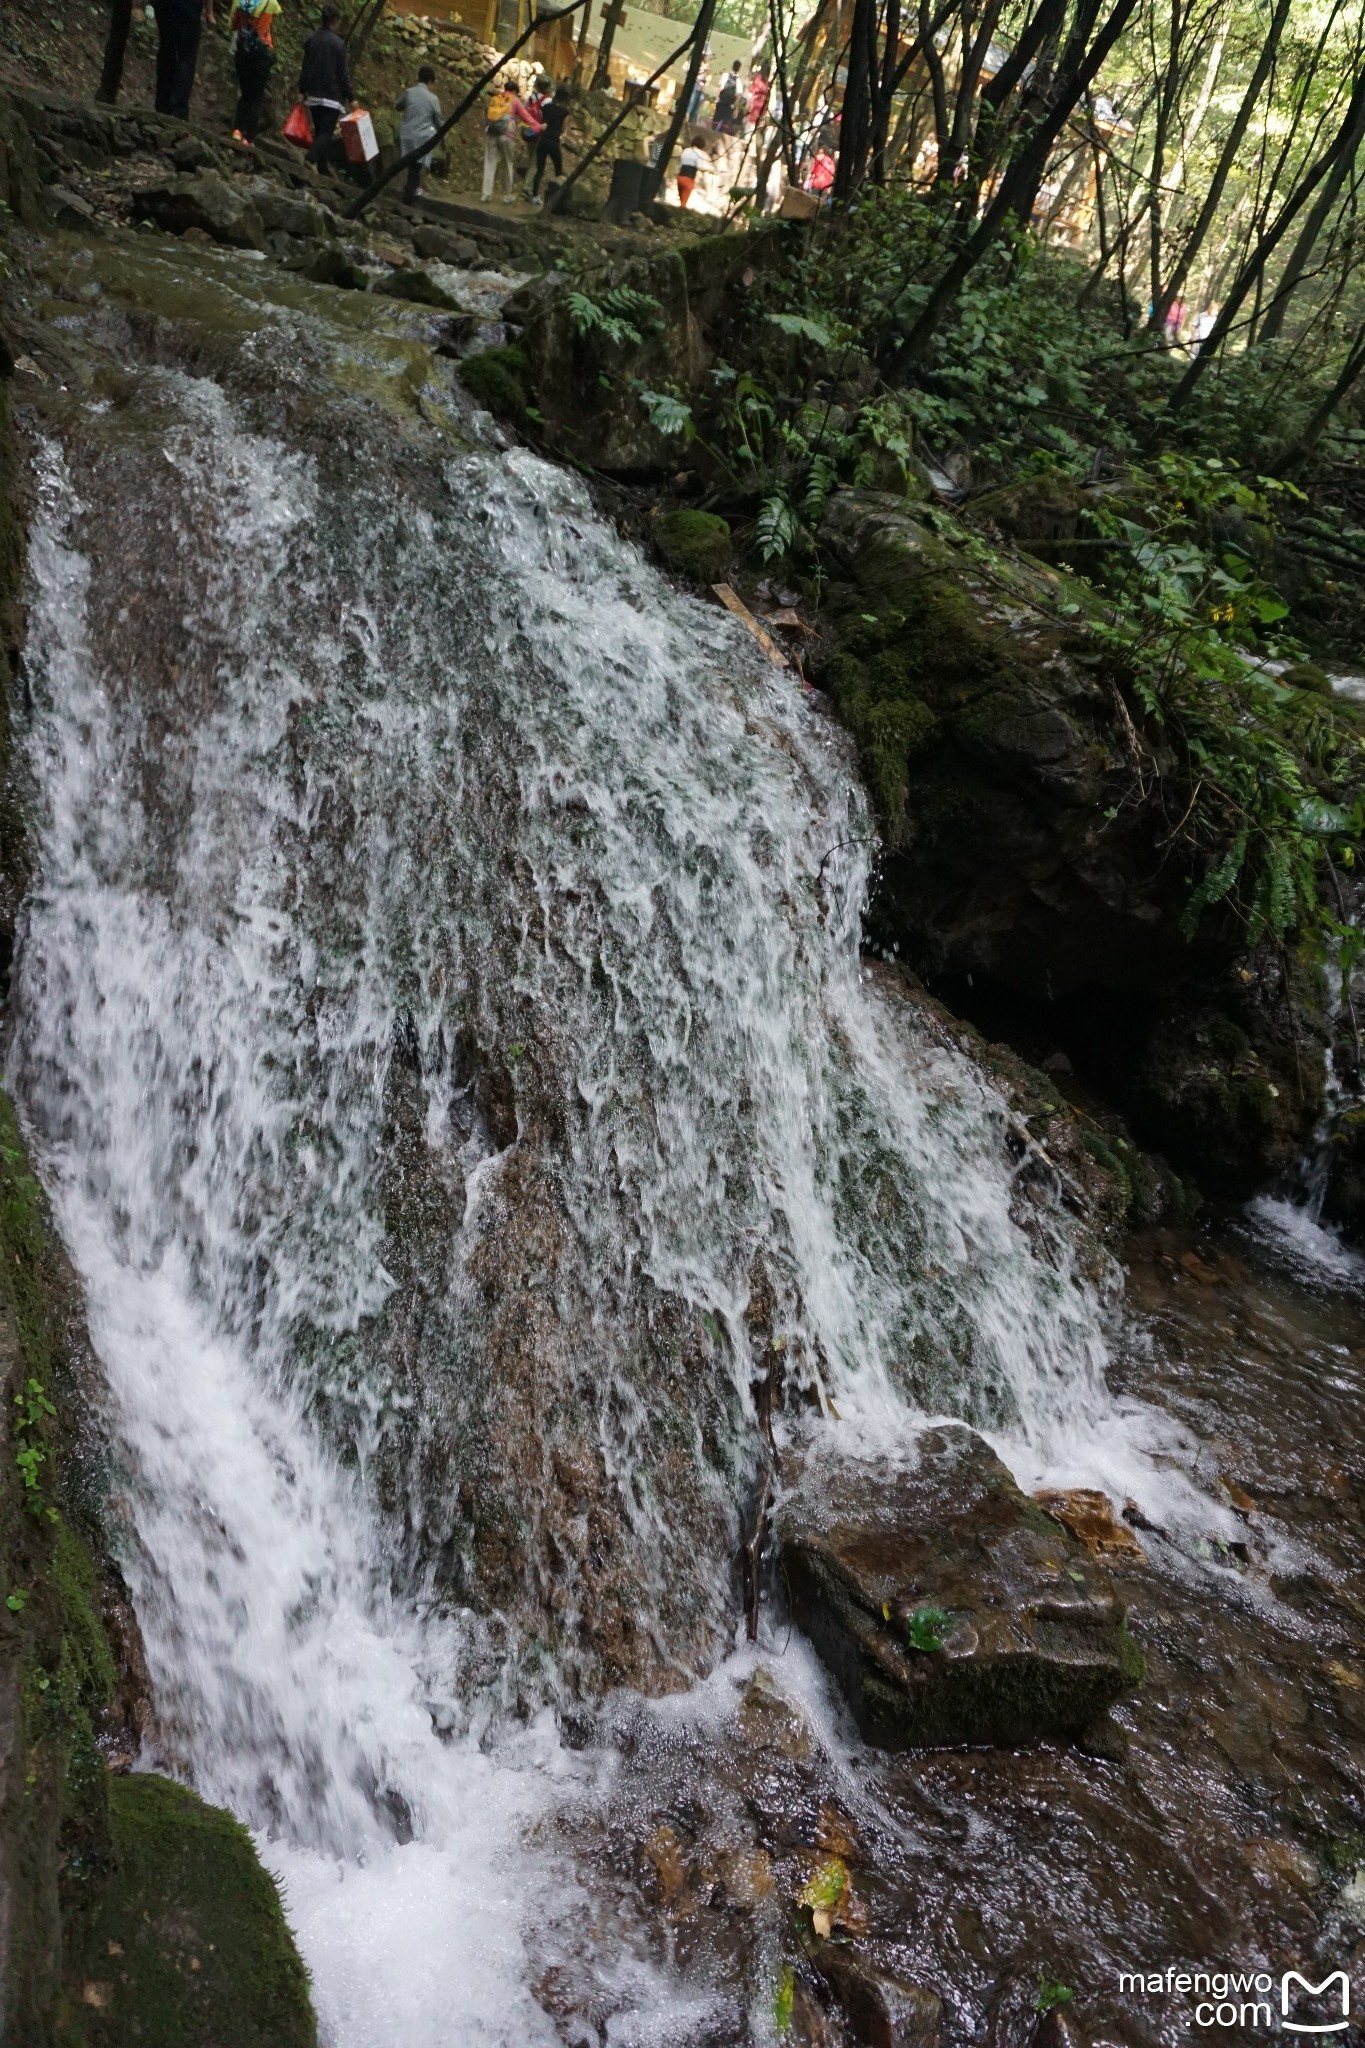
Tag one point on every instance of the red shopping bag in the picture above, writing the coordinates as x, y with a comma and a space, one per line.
299, 127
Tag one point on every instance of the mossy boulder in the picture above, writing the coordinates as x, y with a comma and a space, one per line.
950, 1607
497, 378
593, 343
1344, 1203
1207, 1091
186, 1944
1025, 806
418, 286
1038, 513
696, 544
1307, 676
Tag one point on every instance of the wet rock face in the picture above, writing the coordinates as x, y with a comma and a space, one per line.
1028, 850
1345, 1199
206, 202
951, 1608
585, 384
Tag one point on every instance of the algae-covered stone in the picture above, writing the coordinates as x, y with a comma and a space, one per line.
950, 1607
186, 1946
207, 201
331, 265
1344, 1204
496, 377
1309, 676
696, 544
420, 287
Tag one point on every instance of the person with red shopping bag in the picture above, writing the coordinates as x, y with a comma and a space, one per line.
325, 81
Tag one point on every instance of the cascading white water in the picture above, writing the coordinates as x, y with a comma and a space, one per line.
333, 782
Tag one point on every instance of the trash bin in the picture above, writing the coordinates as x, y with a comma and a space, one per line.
632, 188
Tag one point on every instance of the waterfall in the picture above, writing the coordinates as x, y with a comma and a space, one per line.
440, 1020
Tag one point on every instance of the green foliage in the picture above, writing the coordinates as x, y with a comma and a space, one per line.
926, 1628
1051, 1993
1275, 779
776, 527
784, 2000
34, 1409
621, 315
668, 414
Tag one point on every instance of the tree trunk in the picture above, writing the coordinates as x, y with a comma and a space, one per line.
611, 21
1019, 186
1312, 229
1208, 212
701, 29
1351, 371
855, 131
1247, 279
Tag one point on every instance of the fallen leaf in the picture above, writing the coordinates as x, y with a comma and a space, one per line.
97, 1995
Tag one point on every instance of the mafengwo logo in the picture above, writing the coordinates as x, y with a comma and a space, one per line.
1253, 1999
1332, 1996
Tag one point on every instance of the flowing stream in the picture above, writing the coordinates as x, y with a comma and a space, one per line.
440, 1016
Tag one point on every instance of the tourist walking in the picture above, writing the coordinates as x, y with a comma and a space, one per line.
325, 81
253, 58
179, 24
506, 113
549, 142
728, 118
421, 112
689, 165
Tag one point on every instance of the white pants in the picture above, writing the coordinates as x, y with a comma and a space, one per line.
499, 149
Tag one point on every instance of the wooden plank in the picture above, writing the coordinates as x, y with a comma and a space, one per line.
734, 603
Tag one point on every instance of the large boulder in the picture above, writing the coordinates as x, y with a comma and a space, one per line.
1344, 1202
217, 206
1029, 870
950, 1607
187, 1942
290, 213
593, 344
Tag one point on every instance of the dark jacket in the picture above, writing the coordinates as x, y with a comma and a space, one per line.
325, 74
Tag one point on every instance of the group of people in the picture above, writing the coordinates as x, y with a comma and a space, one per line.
524, 137
324, 82
737, 106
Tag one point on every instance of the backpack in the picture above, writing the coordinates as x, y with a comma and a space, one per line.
250, 42
500, 114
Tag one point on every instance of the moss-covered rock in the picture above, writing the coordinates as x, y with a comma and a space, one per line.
696, 544
1308, 676
186, 1945
1025, 807
1344, 1203
1207, 1092
1039, 513
593, 343
497, 378
950, 1607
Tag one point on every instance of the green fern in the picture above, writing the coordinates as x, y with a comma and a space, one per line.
776, 527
